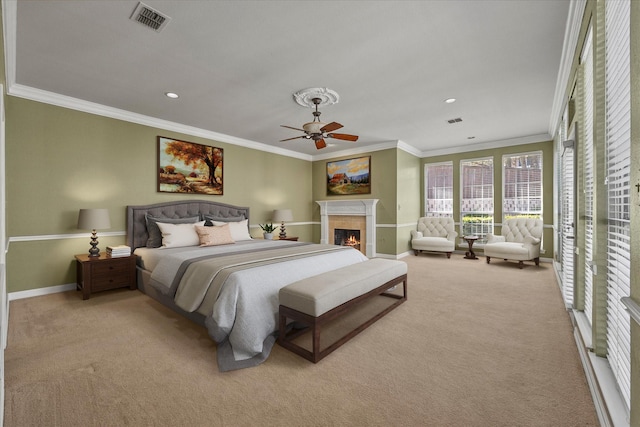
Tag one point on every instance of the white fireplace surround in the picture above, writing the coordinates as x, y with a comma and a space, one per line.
352, 207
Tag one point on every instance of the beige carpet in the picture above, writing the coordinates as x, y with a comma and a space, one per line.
475, 345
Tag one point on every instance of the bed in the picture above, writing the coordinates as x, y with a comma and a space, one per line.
229, 286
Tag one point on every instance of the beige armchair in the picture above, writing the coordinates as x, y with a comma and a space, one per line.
520, 240
434, 235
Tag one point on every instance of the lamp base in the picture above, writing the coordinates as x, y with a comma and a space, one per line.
94, 251
283, 232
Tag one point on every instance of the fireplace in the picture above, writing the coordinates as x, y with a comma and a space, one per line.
353, 214
346, 237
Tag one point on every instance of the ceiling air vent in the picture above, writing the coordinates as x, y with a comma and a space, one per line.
456, 120
150, 17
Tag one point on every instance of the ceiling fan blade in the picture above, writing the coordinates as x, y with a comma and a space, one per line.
295, 137
289, 127
329, 127
320, 143
346, 137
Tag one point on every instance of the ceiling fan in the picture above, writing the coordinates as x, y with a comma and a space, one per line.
318, 130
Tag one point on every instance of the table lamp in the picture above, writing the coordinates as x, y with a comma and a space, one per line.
94, 219
282, 215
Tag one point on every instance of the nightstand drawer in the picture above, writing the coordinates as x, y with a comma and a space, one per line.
110, 269
110, 280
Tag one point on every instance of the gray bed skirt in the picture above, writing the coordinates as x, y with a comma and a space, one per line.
144, 278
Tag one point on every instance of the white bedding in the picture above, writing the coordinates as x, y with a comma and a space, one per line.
244, 311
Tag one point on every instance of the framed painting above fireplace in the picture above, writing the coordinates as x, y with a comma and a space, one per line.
350, 176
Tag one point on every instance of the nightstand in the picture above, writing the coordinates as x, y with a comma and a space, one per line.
103, 272
295, 239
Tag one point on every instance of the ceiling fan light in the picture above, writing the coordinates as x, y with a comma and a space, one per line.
313, 127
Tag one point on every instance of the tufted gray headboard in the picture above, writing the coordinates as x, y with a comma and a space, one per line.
137, 225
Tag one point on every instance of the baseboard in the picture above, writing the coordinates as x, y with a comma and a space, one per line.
41, 291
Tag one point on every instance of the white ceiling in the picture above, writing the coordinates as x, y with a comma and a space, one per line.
236, 64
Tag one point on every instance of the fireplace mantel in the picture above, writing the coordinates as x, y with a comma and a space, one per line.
354, 207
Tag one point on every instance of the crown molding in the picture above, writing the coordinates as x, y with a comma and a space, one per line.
571, 35
9, 16
359, 150
531, 139
118, 114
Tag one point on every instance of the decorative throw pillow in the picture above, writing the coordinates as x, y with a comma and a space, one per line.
155, 236
179, 235
239, 229
212, 236
223, 218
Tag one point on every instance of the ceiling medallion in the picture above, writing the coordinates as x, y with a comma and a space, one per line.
305, 97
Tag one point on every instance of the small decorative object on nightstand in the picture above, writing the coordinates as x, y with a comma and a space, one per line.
295, 239
94, 219
282, 215
102, 272
268, 231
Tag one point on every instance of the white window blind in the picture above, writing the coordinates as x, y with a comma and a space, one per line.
618, 150
567, 233
587, 92
522, 185
476, 207
438, 198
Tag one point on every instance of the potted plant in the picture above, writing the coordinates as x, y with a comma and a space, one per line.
268, 230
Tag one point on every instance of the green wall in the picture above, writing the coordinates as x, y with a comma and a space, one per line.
496, 154
409, 190
60, 160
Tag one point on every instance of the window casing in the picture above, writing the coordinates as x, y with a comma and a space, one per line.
522, 185
438, 189
476, 201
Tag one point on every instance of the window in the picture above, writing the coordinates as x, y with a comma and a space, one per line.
476, 207
522, 191
586, 60
438, 188
618, 164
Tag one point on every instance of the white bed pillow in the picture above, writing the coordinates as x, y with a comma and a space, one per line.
239, 229
213, 236
179, 235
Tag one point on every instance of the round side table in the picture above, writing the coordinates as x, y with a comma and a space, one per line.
470, 254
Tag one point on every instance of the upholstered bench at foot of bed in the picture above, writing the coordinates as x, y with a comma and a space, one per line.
315, 301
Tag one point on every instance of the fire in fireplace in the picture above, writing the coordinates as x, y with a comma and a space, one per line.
344, 237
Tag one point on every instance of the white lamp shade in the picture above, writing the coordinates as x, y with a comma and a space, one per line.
282, 215
93, 219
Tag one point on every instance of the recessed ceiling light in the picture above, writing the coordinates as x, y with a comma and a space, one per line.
171, 95
450, 100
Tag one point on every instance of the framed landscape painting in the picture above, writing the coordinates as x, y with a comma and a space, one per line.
185, 167
350, 176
